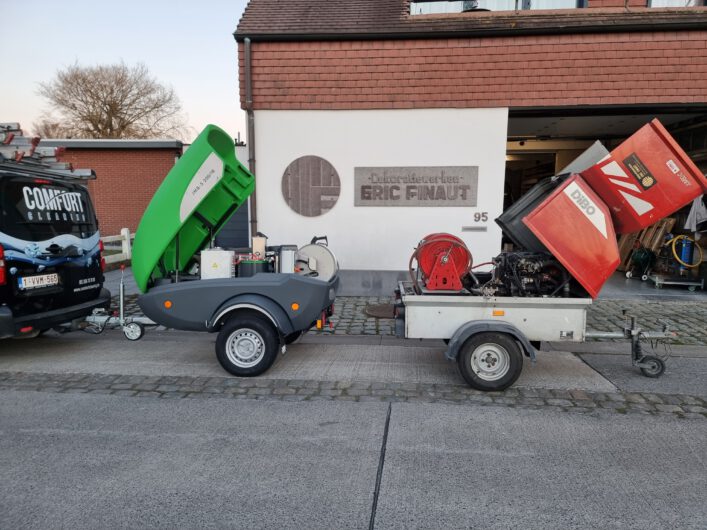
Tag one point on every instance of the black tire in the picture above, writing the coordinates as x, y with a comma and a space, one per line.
490, 361
247, 345
656, 366
292, 337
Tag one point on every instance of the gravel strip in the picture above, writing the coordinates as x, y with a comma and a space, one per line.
172, 387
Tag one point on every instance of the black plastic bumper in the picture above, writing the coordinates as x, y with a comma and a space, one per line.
10, 325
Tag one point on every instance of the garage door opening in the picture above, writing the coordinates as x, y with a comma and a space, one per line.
541, 146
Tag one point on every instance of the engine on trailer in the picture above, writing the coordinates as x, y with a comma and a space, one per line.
445, 264
522, 274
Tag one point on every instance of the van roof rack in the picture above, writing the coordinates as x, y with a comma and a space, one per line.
22, 154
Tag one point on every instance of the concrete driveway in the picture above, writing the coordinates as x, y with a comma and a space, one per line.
318, 358
340, 433
87, 461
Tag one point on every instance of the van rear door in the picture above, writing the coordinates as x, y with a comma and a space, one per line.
49, 231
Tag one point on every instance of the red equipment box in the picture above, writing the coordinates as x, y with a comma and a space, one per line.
645, 179
575, 225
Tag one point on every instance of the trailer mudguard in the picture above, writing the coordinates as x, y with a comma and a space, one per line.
262, 304
479, 326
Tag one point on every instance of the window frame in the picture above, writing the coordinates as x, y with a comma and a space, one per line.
650, 4
522, 5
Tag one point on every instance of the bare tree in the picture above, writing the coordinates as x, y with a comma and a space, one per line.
113, 101
50, 127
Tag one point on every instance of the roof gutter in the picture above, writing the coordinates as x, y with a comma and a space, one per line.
476, 32
250, 116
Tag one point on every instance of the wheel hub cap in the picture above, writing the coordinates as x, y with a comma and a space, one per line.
245, 348
490, 362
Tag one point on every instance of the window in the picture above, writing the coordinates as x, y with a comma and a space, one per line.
33, 211
676, 3
428, 7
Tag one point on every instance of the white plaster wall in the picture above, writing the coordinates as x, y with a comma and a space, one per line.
381, 238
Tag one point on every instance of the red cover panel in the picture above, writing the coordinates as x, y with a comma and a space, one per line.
575, 225
646, 178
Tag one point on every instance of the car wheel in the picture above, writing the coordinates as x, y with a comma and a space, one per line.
247, 346
490, 361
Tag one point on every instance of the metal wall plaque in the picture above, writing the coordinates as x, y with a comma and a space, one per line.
310, 186
416, 186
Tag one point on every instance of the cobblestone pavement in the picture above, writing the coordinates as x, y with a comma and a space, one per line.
172, 387
689, 319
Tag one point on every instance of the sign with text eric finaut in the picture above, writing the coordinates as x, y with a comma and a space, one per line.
416, 186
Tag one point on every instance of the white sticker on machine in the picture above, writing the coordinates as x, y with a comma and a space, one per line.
587, 206
201, 184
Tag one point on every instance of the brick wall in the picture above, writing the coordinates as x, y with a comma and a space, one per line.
523, 71
126, 181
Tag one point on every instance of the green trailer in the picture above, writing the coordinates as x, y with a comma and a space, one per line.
255, 315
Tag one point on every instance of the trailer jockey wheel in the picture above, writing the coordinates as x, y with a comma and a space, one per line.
247, 345
133, 331
490, 361
652, 366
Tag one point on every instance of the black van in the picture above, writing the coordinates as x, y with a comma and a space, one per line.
51, 268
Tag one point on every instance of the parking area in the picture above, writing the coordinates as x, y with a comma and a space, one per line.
87, 461
343, 431
376, 368
352, 428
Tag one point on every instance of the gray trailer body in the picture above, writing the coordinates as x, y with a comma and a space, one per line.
203, 305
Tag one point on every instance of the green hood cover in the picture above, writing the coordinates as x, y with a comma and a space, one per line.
201, 192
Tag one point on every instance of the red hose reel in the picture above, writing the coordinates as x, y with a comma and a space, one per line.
443, 259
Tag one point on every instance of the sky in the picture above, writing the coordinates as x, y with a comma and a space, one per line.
187, 45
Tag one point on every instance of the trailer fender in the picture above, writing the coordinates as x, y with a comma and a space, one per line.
254, 302
479, 326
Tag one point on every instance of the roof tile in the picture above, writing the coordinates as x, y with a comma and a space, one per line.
346, 19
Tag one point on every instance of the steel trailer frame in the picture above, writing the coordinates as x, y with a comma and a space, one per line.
457, 318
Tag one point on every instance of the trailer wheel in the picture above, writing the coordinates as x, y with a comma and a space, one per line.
490, 361
653, 366
247, 346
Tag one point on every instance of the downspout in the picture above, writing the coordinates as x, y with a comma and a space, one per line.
250, 134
